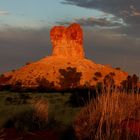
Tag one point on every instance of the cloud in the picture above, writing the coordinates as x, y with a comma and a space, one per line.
127, 10
18, 46
3, 13
110, 47
115, 7
102, 22
106, 46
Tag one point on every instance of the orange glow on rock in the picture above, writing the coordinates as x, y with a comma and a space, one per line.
67, 52
67, 42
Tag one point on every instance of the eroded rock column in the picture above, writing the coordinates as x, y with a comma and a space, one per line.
67, 42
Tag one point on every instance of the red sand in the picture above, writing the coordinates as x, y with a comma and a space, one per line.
12, 134
132, 126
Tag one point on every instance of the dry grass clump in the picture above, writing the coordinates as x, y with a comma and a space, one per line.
101, 119
41, 108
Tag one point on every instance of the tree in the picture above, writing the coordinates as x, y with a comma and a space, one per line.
109, 82
44, 84
135, 80
98, 74
99, 87
130, 84
4, 85
69, 78
17, 86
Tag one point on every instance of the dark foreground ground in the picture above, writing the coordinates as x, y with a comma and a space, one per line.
16, 121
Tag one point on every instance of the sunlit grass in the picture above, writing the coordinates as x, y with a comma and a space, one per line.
102, 118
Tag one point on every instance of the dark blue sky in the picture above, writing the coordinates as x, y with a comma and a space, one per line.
111, 30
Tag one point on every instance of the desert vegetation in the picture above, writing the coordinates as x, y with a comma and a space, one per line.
130, 85
108, 117
44, 85
104, 111
33, 113
70, 78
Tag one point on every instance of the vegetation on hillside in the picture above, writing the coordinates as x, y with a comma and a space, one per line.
107, 110
69, 78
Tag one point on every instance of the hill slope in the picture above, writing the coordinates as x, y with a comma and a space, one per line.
67, 55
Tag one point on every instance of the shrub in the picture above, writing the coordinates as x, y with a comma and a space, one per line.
118, 68
27, 63
95, 79
81, 97
17, 86
13, 70
112, 73
8, 100
44, 84
3, 82
33, 118
22, 121
21, 98
24, 96
102, 118
69, 78
41, 110
4, 79
1, 75
109, 83
99, 87
130, 84
98, 74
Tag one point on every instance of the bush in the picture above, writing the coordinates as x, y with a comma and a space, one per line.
4, 79
109, 83
21, 98
69, 78
27, 63
102, 118
95, 79
118, 68
1, 75
81, 97
8, 100
17, 87
44, 84
35, 118
41, 110
98, 74
130, 85
22, 121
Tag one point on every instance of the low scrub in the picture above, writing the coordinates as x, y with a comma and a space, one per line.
34, 118
41, 108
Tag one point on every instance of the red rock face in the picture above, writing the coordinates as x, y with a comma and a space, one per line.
67, 52
67, 42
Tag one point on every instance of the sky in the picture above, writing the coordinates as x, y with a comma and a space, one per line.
111, 30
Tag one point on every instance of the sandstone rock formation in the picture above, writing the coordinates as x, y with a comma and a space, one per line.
67, 54
67, 42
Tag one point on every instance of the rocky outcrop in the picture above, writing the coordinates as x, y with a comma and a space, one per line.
67, 42
66, 64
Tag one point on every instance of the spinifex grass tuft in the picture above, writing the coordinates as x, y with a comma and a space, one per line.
41, 109
102, 118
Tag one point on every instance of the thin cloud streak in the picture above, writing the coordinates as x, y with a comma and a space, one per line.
4, 13
91, 22
127, 10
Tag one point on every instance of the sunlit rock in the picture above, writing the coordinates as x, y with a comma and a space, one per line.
67, 63
67, 42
